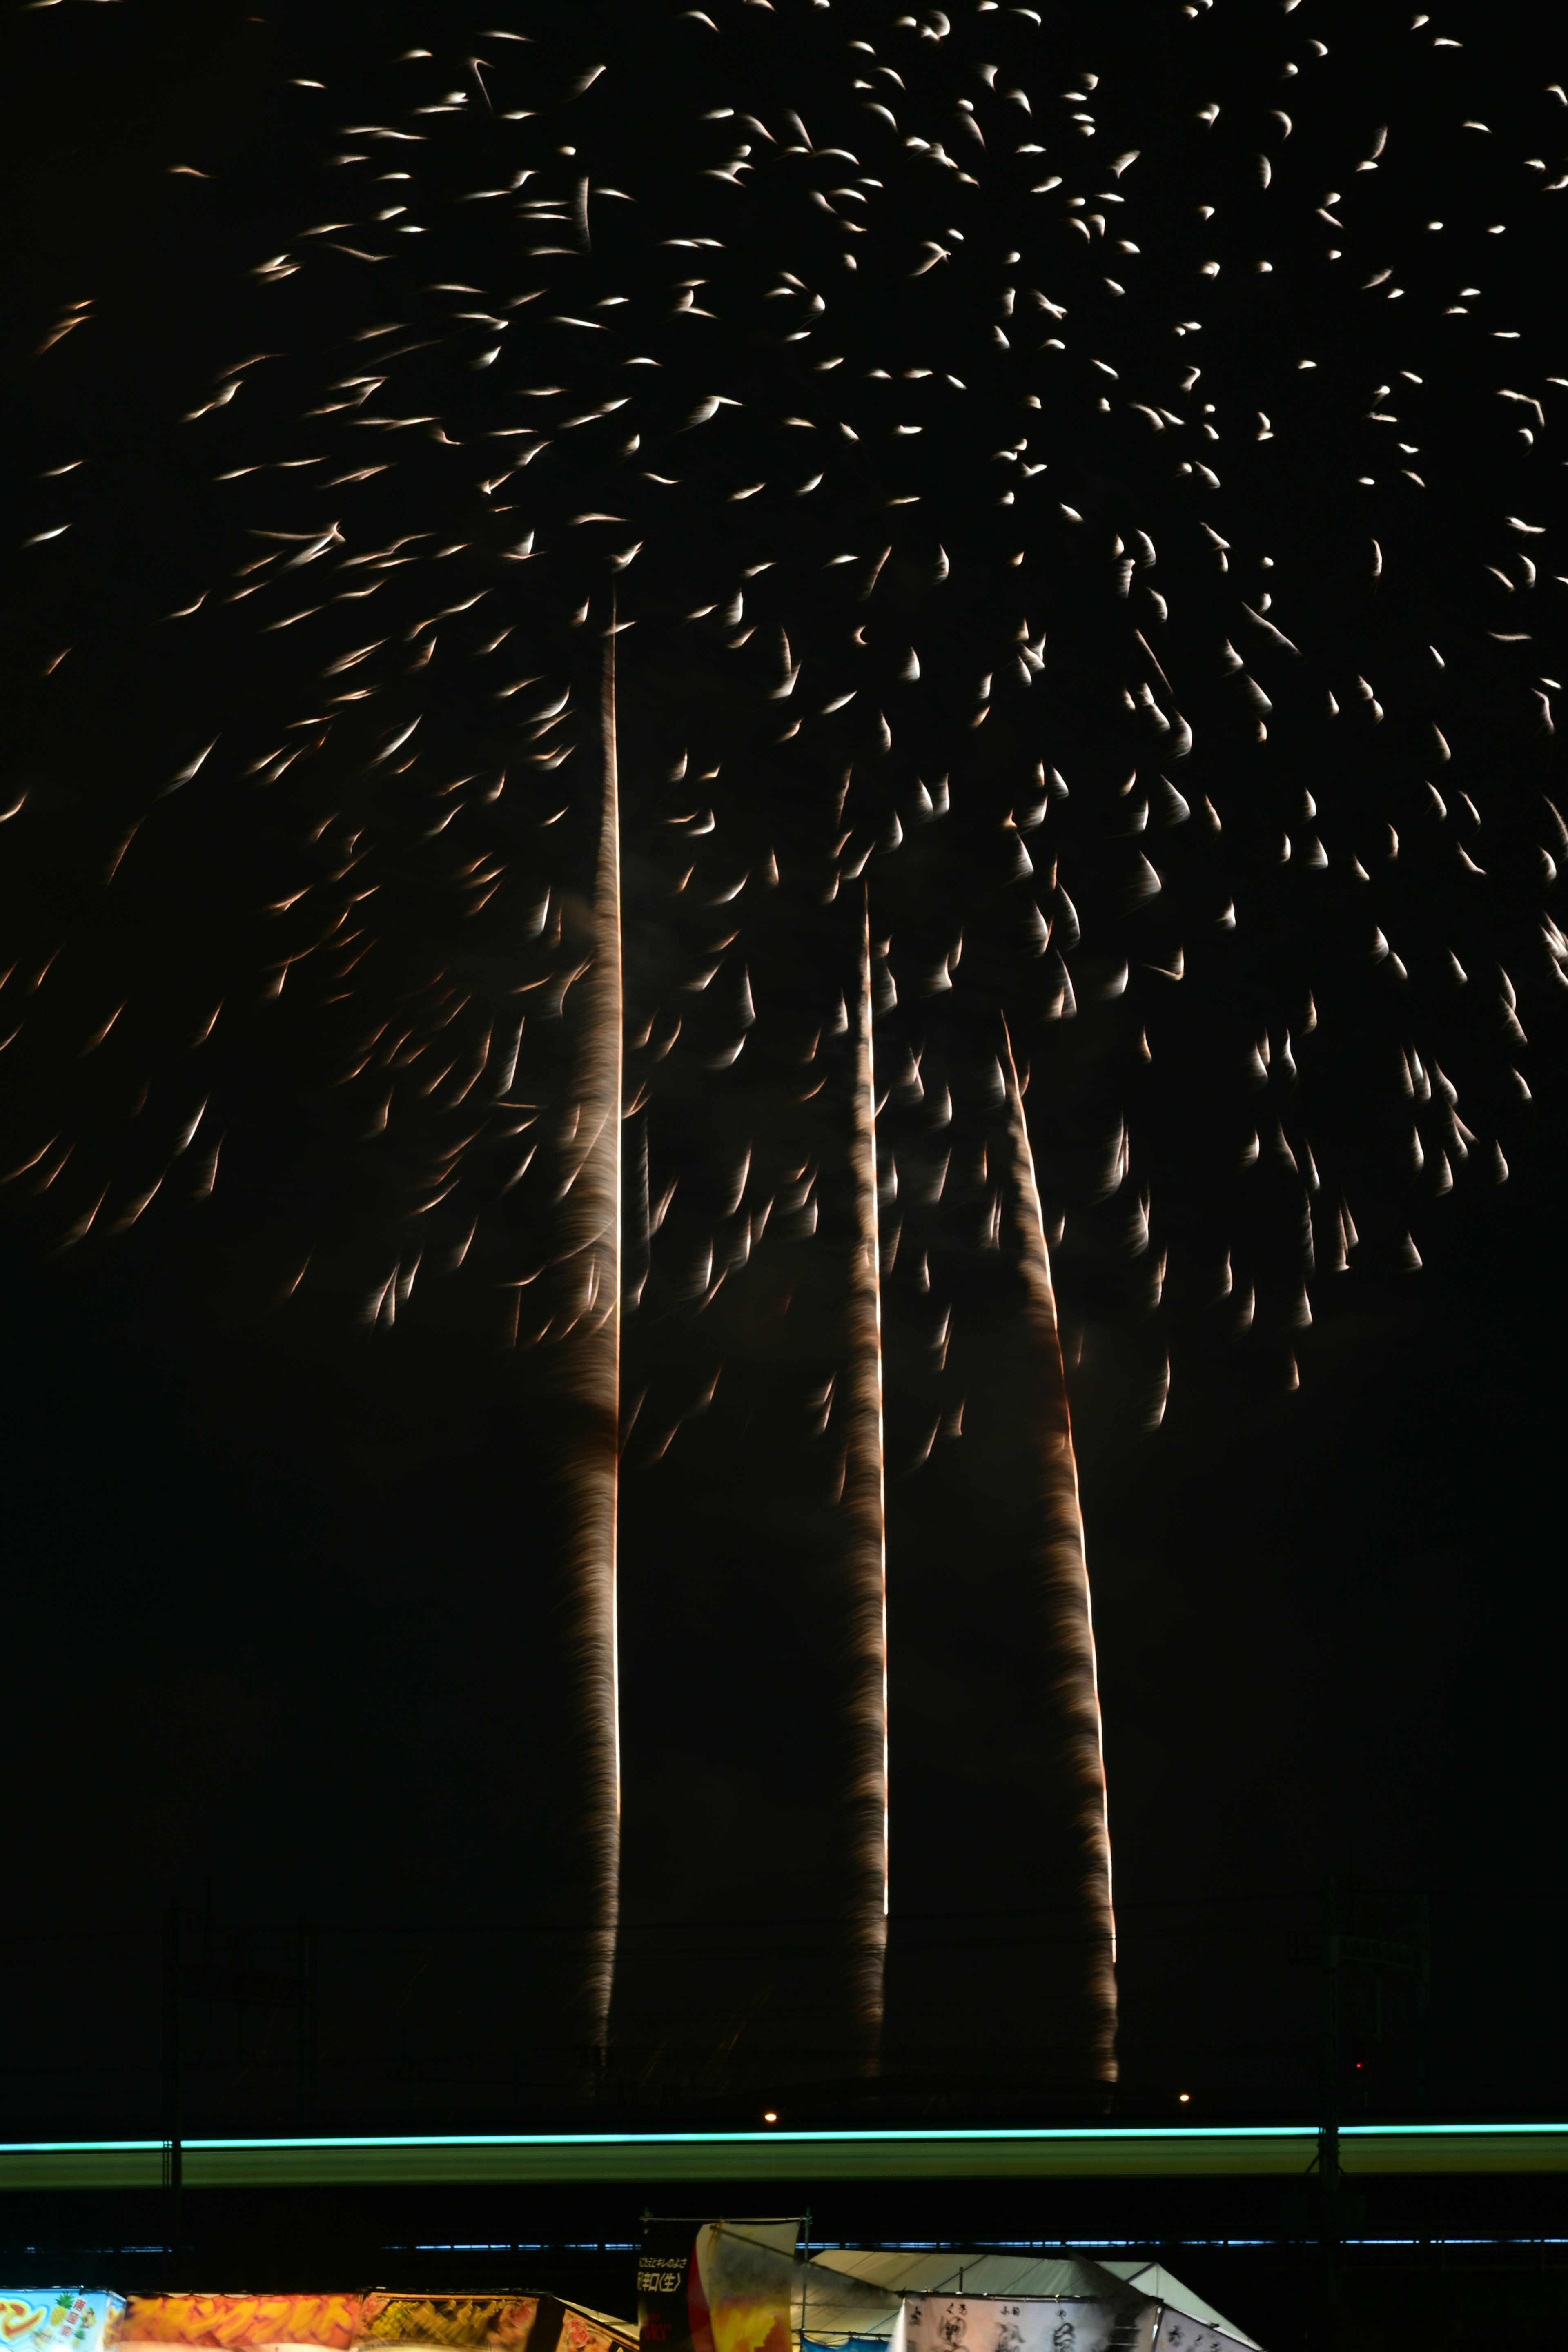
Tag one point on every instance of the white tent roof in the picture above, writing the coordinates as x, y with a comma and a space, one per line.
1154, 2278
897, 2272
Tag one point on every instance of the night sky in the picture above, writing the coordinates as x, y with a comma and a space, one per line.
1184, 704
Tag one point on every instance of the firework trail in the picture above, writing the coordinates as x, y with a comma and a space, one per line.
1065, 1576
865, 1502
1006, 472
592, 1467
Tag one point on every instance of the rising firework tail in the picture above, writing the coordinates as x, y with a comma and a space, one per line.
1067, 1610
594, 1372
865, 1506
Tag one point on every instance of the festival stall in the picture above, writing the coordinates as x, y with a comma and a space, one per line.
740, 2287
719, 2287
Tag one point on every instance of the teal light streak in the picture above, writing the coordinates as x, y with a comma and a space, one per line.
1088, 2135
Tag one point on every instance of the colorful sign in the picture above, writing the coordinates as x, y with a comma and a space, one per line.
451, 2320
339, 2322
244, 2322
60, 2319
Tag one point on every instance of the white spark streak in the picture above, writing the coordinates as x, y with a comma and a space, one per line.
864, 1495
593, 1463
1069, 1612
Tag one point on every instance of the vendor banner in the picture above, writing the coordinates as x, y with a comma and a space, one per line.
453, 2321
245, 2323
727, 2286
581, 2330
60, 2318
957, 2323
357, 2322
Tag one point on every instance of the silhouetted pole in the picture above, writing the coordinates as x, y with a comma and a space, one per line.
173, 2166
1329, 2126
308, 2028
1423, 2007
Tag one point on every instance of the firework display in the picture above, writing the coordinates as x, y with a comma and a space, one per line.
804, 655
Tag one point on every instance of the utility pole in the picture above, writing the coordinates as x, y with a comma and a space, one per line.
306, 2024
1334, 1949
173, 2166
1329, 2214
240, 1986
805, 2271
1424, 2006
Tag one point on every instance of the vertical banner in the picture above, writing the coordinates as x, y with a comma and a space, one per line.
716, 2287
663, 2266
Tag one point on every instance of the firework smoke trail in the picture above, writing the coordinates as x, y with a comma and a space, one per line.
594, 1464
865, 1499
1069, 1612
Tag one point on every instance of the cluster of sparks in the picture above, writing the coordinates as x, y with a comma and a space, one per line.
1056, 654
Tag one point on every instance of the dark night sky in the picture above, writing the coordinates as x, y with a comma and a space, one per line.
287, 1622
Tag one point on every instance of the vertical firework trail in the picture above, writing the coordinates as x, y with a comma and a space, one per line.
864, 1494
1070, 1615
594, 1464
